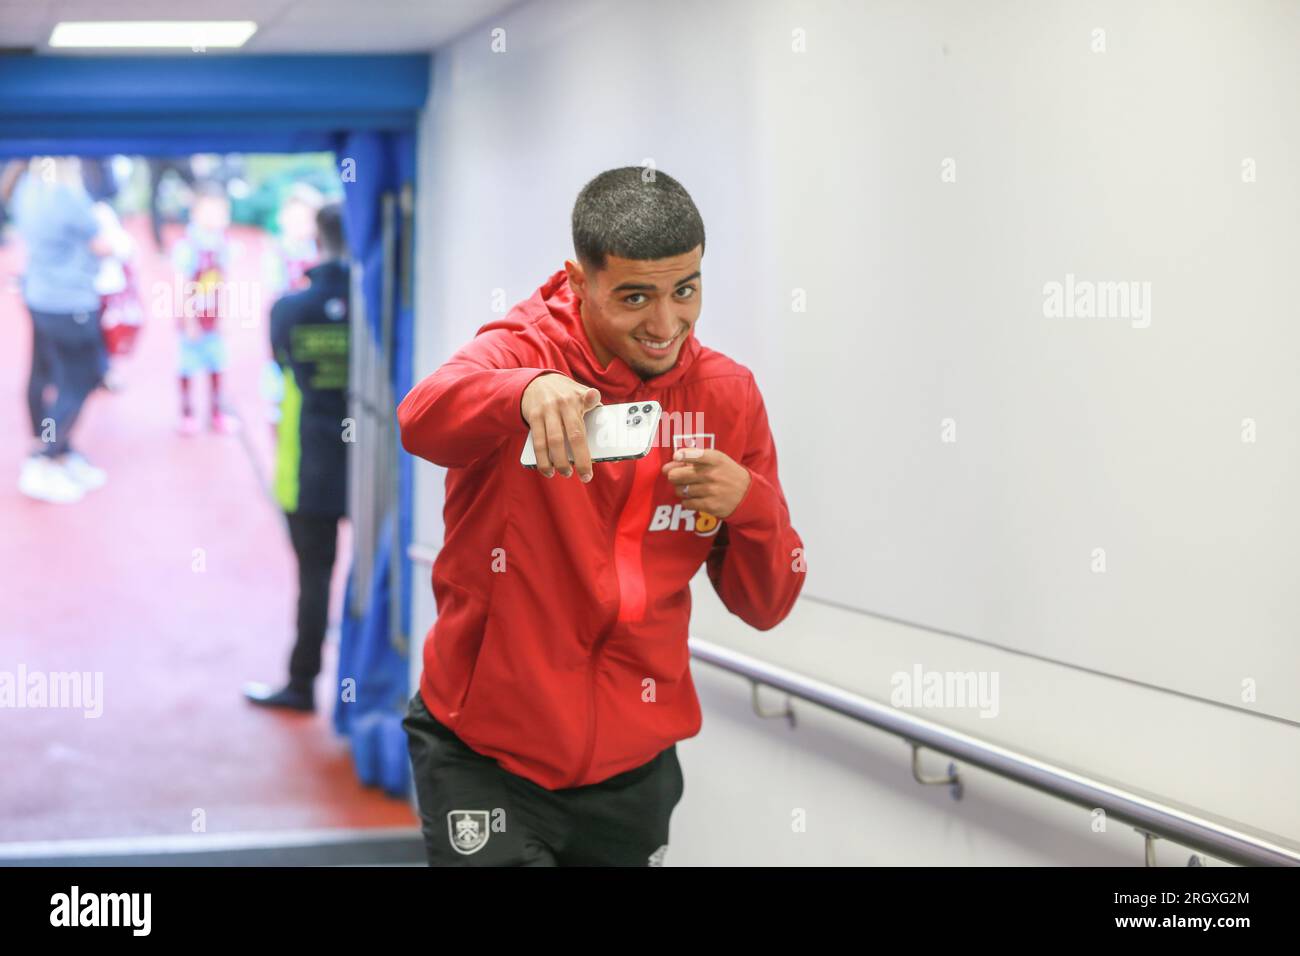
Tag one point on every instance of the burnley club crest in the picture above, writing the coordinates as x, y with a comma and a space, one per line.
468, 830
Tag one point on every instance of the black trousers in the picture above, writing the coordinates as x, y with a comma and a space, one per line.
474, 813
67, 356
315, 541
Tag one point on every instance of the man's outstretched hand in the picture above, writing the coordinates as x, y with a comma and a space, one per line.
553, 405
708, 480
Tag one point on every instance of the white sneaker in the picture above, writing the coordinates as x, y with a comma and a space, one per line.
32, 465
83, 472
46, 480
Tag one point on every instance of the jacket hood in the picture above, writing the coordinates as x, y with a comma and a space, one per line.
554, 306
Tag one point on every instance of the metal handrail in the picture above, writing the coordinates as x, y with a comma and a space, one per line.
1149, 817
1143, 813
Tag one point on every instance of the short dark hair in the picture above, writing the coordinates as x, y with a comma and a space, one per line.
634, 212
329, 229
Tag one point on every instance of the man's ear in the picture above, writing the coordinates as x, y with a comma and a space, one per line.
577, 278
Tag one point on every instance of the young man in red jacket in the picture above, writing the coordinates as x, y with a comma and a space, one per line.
557, 676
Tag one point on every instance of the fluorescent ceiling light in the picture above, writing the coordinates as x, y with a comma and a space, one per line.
153, 33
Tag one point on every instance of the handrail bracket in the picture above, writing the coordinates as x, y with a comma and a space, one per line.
787, 711
953, 780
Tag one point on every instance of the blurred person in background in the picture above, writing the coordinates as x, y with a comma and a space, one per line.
158, 169
310, 340
56, 219
9, 176
284, 267
121, 313
202, 261
294, 250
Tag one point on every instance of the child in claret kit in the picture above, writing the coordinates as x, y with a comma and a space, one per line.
202, 261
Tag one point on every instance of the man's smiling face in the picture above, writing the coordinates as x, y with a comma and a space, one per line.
641, 310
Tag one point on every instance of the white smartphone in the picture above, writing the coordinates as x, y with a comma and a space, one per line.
614, 433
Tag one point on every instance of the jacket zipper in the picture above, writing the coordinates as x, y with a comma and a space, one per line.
590, 752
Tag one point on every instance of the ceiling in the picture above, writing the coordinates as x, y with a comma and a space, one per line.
283, 26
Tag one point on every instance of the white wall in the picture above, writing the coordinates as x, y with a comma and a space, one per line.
821, 171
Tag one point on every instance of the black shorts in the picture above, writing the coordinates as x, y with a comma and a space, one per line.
474, 813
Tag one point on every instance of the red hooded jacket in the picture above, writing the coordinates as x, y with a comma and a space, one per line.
564, 608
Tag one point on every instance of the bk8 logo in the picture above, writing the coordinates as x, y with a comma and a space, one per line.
677, 518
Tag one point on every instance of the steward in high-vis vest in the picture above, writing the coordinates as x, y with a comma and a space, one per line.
309, 339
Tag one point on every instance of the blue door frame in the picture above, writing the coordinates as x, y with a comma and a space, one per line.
362, 108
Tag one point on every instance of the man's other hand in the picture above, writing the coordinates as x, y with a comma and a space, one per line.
707, 480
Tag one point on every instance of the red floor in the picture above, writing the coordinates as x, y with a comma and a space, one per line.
109, 585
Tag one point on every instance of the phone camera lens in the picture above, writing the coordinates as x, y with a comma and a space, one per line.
636, 420
646, 409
